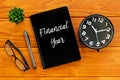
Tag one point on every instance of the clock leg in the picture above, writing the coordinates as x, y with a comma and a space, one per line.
98, 50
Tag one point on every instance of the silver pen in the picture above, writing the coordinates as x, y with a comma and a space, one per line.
29, 48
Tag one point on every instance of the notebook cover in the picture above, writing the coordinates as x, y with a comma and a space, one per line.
55, 37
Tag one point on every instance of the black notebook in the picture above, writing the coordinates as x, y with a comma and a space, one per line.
55, 37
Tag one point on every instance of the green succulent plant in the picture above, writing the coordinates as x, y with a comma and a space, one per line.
16, 15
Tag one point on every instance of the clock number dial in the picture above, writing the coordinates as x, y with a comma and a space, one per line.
91, 43
96, 31
98, 44
86, 38
89, 22
84, 27
83, 33
108, 29
103, 41
100, 20
94, 19
108, 36
106, 24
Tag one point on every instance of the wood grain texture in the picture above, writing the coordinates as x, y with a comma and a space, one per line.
77, 8
104, 65
61, 78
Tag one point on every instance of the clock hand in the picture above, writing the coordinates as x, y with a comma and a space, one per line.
102, 30
94, 28
95, 32
97, 37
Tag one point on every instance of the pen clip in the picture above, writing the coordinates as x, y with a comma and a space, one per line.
29, 38
26, 33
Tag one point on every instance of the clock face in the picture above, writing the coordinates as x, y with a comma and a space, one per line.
96, 31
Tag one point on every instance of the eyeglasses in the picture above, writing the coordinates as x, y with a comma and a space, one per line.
13, 51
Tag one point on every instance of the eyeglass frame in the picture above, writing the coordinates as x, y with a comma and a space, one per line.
13, 46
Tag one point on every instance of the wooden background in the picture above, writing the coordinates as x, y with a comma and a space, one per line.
104, 65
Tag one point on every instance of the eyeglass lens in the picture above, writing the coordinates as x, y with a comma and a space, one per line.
20, 65
11, 51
